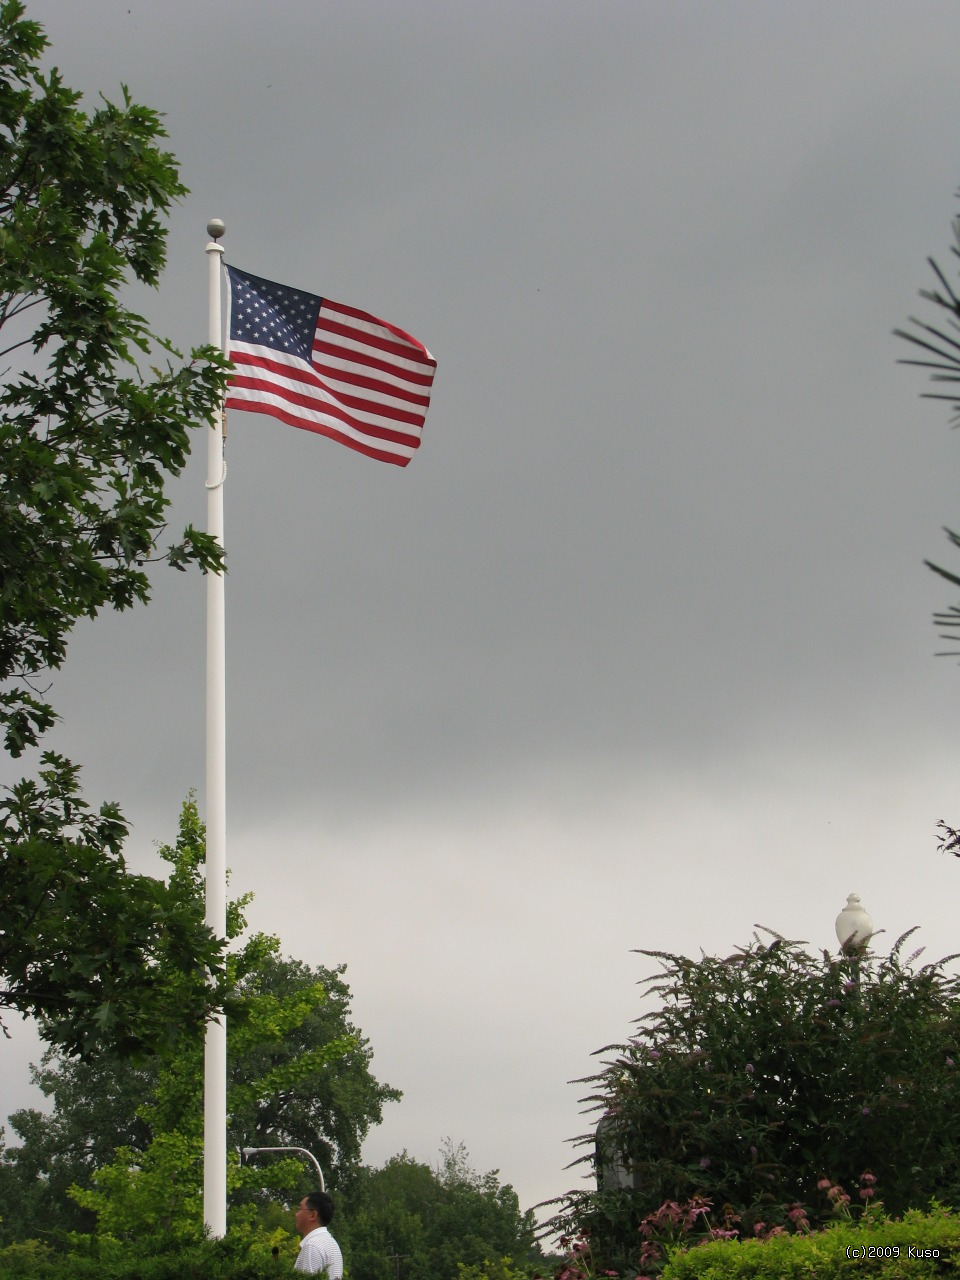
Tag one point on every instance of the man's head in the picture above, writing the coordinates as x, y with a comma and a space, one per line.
315, 1210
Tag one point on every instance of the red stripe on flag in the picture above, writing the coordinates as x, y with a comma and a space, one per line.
277, 374
399, 350
327, 407
367, 360
355, 371
407, 338
321, 429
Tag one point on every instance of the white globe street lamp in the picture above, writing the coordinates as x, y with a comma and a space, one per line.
854, 925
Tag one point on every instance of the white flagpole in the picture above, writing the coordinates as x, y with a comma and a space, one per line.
215, 1048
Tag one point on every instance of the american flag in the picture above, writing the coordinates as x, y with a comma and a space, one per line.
319, 365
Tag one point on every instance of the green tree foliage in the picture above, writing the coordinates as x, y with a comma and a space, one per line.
121, 1150
99, 955
759, 1076
329, 1111
95, 1112
87, 442
423, 1224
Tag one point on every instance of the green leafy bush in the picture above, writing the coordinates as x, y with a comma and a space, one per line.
690, 1247
921, 1245
498, 1269
757, 1077
237, 1257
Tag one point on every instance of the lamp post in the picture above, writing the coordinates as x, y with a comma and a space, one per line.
854, 926
854, 931
247, 1152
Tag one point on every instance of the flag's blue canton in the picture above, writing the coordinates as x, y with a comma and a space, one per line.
272, 315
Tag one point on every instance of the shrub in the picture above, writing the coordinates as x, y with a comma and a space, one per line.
921, 1245
760, 1076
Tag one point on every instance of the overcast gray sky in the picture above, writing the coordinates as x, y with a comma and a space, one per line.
636, 653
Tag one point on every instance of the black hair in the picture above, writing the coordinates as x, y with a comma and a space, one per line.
321, 1204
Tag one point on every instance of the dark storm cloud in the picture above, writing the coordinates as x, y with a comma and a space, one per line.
643, 628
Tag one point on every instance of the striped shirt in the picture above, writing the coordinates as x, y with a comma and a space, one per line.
320, 1252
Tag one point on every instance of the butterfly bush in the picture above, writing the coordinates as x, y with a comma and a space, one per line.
751, 1079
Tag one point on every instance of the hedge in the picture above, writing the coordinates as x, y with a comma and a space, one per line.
919, 1246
